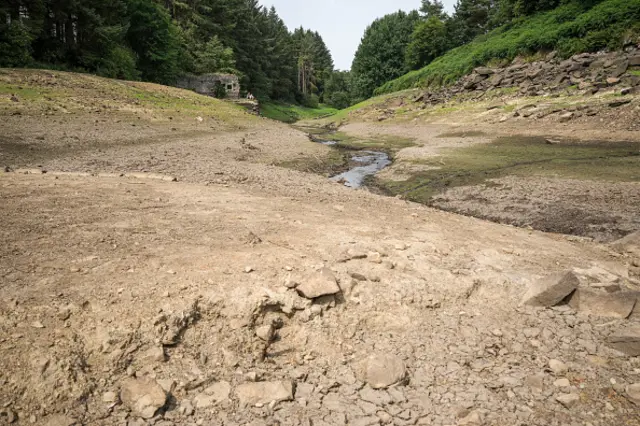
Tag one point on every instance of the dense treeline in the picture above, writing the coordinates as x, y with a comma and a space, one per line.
434, 33
158, 40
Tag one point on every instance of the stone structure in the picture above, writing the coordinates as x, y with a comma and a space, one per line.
206, 84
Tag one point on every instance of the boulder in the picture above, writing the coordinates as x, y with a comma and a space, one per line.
634, 61
628, 244
144, 397
603, 304
551, 290
319, 284
381, 370
264, 392
626, 340
484, 71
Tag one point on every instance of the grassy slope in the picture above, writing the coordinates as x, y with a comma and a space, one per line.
568, 29
47, 92
291, 113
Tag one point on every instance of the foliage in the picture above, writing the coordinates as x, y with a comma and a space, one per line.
380, 56
571, 28
338, 90
428, 41
157, 40
290, 113
15, 45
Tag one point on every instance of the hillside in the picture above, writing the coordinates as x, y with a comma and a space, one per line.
571, 28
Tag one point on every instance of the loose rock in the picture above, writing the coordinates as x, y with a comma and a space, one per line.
626, 341
633, 393
568, 400
551, 290
382, 370
322, 283
598, 303
144, 397
264, 392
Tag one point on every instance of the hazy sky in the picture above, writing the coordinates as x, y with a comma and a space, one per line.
341, 23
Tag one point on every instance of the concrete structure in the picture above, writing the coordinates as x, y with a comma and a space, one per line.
206, 84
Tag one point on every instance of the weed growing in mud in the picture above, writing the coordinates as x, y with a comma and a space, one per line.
525, 156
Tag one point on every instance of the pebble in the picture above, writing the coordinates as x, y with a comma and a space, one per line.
382, 370
568, 400
558, 367
562, 383
248, 270
37, 324
144, 397
109, 397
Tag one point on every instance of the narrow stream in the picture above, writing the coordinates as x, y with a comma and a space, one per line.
367, 163
371, 162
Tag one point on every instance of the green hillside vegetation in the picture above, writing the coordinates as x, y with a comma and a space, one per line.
571, 28
291, 113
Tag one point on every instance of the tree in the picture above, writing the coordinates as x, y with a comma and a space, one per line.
433, 8
213, 57
154, 39
428, 41
381, 54
471, 19
338, 90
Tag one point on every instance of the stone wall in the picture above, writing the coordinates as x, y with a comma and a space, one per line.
206, 84
588, 73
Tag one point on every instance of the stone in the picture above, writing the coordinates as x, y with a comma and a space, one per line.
562, 383
633, 393
628, 244
484, 71
474, 418
264, 392
619, 68
602, 304
109, 397
567, 116
58, 420
144, 397
626, 340
551, 290
351, 254
265, 332
155, 354
558, 367
613, 80
568, 400
357, 276
381, 370
319, 284
634, 61
214, 394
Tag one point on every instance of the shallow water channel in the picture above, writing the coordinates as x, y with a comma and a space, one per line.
365, 164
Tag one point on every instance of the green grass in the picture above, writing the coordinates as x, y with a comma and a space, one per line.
290, 113
569, 29
634, 72
521, 156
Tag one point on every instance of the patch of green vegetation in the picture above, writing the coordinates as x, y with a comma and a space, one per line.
463, 134
634, 72
25, 92
571, 28
290, 113
524, 156
335, 162
386, 143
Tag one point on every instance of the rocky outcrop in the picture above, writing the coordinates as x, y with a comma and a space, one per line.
586, 72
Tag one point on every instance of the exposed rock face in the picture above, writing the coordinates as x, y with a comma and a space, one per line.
551, 290
628, 244
143, 397
587, 72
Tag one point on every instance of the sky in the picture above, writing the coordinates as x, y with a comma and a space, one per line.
341, 23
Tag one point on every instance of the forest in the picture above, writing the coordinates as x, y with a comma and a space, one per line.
159, 40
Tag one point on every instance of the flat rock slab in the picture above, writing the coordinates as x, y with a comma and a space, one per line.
143, 397
551, 290
626, 341
381, 370
264, 392
214, 394
322, 283
633, 393
603, 304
